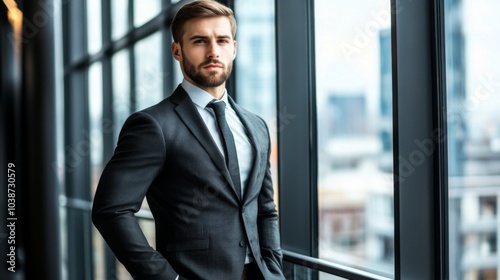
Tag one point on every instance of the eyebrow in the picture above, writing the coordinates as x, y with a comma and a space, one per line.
195, 37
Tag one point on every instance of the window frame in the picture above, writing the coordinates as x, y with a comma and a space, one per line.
420, 198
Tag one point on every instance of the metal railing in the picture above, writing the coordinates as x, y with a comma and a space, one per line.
315, 264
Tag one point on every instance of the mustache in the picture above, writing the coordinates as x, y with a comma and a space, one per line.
212, 61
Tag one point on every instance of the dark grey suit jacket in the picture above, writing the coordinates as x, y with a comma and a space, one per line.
166, 154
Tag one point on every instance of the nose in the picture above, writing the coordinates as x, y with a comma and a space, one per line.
213, 50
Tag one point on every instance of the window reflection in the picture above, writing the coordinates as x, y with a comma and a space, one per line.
354, 110
473, 75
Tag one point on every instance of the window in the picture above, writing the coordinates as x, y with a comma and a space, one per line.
94, 27
354, 115
307, 32
119, 18
148, 73
145, 11
256, 86
121, 90
473, 118
110, 73
95, 133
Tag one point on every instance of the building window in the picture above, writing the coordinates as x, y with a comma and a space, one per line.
473, 118
354, 115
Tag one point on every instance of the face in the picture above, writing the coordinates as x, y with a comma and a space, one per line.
206, 51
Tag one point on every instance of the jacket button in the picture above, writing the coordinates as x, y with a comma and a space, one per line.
242, 243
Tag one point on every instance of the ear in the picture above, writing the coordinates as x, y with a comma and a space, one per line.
176, 51
235, 46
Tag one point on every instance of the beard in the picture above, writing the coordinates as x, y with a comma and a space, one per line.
212, 79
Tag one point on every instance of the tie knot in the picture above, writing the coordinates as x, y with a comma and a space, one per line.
218, 107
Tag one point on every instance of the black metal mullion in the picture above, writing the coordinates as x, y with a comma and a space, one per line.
418, 86
395, 134
313, 132
441, 155
296, 136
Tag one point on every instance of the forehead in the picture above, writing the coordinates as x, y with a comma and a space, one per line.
211, 26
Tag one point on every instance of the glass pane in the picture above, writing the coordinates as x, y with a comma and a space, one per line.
256, 86
145, 10
121, 90
149, 72
94, 26
473, 82
354, 111
119, 16
94, 136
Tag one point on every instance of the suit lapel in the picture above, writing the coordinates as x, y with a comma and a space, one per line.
191, 118
251, 133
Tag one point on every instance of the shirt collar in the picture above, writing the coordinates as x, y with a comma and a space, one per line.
201, 97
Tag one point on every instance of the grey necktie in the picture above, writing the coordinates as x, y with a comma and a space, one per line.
219, 108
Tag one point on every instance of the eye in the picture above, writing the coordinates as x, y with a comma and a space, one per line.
199, 41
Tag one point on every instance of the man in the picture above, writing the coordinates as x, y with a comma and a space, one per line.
202, 162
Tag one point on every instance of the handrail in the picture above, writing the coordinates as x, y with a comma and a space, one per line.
331, 268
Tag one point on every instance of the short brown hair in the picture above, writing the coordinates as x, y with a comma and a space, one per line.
200, 9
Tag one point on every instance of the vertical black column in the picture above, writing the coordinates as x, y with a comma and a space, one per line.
9, 91
419, 140
38, 129
297, 126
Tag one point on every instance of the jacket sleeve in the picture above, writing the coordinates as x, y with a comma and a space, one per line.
267, 222
137, 161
